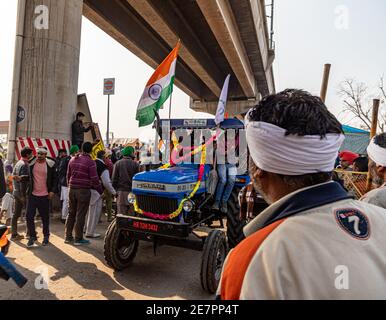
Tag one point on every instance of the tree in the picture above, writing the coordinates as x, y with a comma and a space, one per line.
382, 90
356, 101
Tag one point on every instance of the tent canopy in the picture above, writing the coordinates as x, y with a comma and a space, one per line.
356, 140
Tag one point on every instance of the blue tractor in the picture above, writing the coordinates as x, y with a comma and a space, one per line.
197, 227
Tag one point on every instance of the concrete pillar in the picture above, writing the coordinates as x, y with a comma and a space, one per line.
46, 69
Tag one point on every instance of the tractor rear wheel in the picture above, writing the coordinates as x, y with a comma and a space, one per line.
234, 224
213, 257
120, 247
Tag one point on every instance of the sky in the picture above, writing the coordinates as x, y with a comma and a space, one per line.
348, 34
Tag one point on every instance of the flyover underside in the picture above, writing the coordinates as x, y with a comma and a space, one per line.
218, 38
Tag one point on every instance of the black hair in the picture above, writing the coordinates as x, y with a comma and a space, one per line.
61, 151
362, 164
299, 113
380, 140
101, 154
79, 114
25, 152
87, 147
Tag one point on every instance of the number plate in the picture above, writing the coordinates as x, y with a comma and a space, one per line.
154, 227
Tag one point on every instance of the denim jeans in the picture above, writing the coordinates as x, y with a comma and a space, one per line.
41, 204
226, 180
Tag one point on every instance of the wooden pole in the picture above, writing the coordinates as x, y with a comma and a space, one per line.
374, 122
326, 76
373, 132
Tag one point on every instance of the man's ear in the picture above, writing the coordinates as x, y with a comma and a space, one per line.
380, 171
259, 173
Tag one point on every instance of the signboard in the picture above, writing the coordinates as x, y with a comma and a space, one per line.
109, 86
195, 122
21, 113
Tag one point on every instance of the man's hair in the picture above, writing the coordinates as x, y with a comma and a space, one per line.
87, 147
25, 152
79, 114
380, 140
101, 154
61, 151
362, 163
299, 113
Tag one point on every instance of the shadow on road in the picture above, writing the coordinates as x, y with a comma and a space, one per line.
29, 291
171, 273
85, 274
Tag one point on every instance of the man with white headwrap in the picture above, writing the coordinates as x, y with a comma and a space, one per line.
313, 241
377, 154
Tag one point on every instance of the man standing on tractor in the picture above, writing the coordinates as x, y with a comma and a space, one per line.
227, 173
313, 241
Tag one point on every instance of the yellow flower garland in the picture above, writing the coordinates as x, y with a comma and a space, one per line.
177, 212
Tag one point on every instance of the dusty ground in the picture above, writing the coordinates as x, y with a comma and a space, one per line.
81, 273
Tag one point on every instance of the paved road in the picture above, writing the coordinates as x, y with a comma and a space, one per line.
81, 273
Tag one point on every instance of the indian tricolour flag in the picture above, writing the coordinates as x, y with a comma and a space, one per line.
158, 89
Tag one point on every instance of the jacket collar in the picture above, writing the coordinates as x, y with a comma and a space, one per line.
297, 202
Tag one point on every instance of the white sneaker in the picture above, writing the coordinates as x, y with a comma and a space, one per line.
94, 236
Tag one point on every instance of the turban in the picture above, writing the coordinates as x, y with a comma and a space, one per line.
348, 156
128, 151
274, 151
74, 149
377, 153
41, 150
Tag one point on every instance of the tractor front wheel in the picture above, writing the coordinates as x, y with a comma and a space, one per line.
120, 247
213, 257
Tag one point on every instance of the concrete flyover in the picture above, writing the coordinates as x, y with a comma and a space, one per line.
218, 37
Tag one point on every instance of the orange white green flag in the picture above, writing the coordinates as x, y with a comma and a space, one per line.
158, 89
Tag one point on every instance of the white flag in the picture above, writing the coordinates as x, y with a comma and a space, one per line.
222, 102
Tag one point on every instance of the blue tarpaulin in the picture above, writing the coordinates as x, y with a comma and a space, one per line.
356, 140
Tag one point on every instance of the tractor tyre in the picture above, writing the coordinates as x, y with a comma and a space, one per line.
234, 224
120, 247
213, 257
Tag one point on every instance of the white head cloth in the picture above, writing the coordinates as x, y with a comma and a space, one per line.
377, 153
41, 150
293, 155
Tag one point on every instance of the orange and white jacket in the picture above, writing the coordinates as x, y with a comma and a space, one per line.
315, 243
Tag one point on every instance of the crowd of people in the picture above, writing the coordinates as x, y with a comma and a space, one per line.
292, 250
81, 183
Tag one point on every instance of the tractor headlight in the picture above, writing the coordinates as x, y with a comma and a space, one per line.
188, 206
131, 198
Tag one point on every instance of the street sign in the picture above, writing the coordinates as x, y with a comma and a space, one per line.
109, 86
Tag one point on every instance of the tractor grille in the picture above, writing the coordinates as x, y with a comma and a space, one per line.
155, 204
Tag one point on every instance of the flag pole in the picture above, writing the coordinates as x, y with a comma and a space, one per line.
170, 105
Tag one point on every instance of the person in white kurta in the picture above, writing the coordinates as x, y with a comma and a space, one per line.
96, 201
